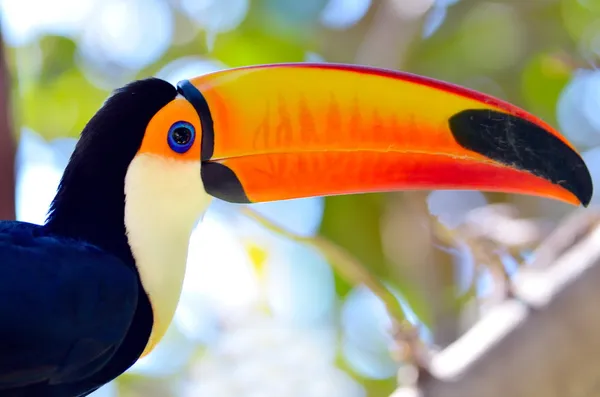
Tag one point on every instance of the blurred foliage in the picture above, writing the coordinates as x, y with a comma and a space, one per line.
526, 52
365, 243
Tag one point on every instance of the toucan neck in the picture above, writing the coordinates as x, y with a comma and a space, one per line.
90, 206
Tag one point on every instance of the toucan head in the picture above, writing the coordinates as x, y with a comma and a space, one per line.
155, 155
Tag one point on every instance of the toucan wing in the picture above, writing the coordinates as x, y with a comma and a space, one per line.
65, 307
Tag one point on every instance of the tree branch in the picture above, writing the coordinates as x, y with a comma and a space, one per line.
542, 343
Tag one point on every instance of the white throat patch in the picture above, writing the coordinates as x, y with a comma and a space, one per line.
163, 200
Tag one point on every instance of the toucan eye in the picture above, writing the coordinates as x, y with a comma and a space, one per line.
181, 136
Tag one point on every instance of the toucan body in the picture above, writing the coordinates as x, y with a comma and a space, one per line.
94, 288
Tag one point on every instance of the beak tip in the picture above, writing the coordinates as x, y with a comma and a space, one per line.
522, 144
585, 189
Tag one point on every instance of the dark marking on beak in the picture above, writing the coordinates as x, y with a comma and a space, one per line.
521, 144
195, 97
221, 182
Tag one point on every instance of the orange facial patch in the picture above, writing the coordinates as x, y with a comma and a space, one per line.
156, 136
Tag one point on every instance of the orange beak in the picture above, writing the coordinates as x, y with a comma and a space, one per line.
278, 132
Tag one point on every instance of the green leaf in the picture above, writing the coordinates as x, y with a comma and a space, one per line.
241, 48
543, 79
581, 17
61, 106
58, 55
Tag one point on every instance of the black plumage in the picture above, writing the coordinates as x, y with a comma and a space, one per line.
61, 333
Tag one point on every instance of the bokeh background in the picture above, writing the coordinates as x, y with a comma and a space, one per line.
262, 315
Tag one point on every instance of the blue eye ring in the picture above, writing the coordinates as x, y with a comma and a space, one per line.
181, 136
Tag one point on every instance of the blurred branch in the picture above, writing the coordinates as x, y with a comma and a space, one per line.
431, 270
7, 145
541, 343
395, 25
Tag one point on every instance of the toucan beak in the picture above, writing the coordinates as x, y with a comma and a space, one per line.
277, 132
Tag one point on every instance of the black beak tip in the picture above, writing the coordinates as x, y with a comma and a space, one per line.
586, 197
519, 143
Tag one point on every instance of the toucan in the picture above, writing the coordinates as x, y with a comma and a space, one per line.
86, 294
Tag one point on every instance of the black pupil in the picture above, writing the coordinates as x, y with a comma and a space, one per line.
181, 135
